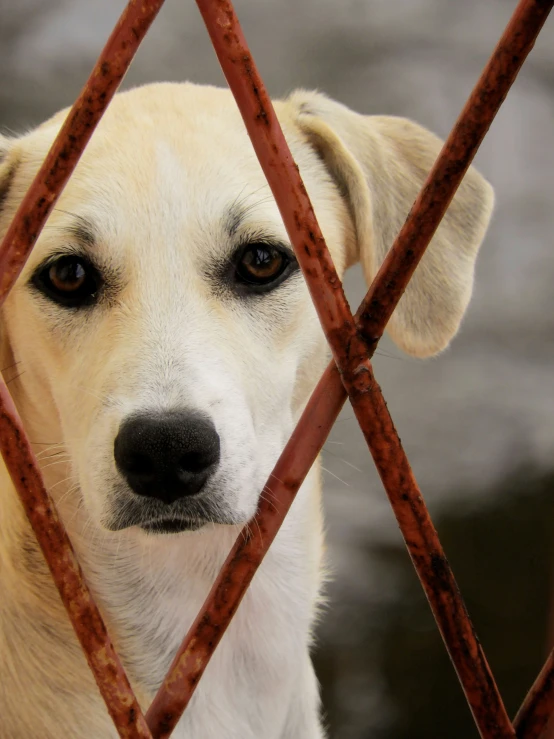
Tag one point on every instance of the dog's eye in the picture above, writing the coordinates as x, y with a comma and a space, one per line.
263, 265
70, 281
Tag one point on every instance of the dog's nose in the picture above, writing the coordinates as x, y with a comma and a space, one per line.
167, 456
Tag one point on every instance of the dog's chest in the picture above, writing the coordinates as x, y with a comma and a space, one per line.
250, 679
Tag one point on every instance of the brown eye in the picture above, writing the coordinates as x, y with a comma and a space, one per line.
70, 281
262, 264
67, 276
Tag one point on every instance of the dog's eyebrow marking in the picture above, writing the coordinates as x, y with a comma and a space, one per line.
6, 184
80, 229
240, 209
83, 231
233, 220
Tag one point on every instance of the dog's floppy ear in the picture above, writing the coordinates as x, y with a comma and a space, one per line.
379, 164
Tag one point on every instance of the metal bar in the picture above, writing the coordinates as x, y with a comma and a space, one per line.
413, 518
457, 153
532, 718
68, 577
82, 119
245, 557
429, 559
18, 457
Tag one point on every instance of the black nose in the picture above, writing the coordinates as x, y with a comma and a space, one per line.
167, 456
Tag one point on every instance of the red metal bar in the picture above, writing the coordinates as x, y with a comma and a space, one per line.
365, 395
245, 557
18, 457
457, 153
429, 559
68, 577
84, 116
532, 718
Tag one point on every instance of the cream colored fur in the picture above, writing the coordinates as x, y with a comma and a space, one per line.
162, 173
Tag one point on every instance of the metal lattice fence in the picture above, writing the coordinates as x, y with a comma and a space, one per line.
352, 339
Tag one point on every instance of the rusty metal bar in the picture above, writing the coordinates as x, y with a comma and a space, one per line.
365, 395
18, 456
458, 151
68, 577
532, 718
245, 557
82, 119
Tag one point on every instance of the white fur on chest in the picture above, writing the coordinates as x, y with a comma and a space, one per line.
261, 667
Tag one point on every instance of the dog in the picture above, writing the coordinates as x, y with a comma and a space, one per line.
160, 344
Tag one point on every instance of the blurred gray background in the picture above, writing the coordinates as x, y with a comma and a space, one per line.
477, 422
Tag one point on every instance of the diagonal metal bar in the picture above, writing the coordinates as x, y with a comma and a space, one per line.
82, 119
68, 577
245, 556
532, 718
458, 151
358, 378
18, 456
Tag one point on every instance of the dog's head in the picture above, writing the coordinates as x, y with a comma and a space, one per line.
161, 326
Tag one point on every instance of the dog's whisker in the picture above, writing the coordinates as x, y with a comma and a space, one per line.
61, 482
53, 464
67, 213
276, 478
349, 464
400, 358
49, 443
46, 455
68, 493
12, 379
10, 366
325, 469
268, 500
80, 386
268, 491
344, 461
50, 452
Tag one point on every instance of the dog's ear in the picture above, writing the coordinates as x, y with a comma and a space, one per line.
379, 165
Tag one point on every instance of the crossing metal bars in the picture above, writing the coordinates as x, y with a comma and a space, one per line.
352, 340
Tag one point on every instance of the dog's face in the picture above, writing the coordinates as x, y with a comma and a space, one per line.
162, 327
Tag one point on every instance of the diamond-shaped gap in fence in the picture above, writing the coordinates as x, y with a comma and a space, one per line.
352, 341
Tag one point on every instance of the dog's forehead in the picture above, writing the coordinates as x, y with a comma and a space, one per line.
167, 159
183, 145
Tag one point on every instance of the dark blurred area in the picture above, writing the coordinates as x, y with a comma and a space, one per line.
502, 554
478, 421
